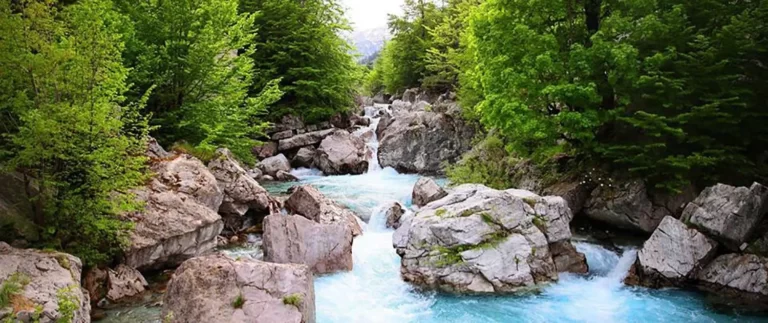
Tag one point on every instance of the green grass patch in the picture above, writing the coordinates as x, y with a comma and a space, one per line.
530, 201
239, 301
540, 222
293, 299
466, 213
487, 218
205, 155
440, 212
12, 286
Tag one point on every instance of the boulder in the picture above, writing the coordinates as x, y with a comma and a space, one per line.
730, 214
365, 134
255, 173
340, 121
421, 106
44, 280
356, 120
241, 191
672, 255
426, 190
574, 192
288, 122
285, 176
155, 151
567, 258
341, 153
410, 95
266, 150
221, 289
628, 205
742, 276
421, 142
325, 248
553, 217
381, 98
272, 165
307, 201
180, 219
124, 282
476, 240
394, 214
303, 140
385, 120
305, 157
400, 107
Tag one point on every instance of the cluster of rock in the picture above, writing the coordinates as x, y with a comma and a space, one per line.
480, 240
421, 133
331, 147
708, 247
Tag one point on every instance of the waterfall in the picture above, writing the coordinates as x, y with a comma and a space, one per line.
373, 114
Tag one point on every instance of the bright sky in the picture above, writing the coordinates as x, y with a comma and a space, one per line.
367, 14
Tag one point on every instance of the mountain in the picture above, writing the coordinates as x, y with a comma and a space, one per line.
369, 42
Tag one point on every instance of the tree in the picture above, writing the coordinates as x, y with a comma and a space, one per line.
299, 43
65, 125
195, 59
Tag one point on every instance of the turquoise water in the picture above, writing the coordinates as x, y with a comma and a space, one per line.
374, 292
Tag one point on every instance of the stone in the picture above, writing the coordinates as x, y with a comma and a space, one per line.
381, 98
221, 289
730, 214
384, 121
155, 151
285, 176
672, 255
325, 248
567, 258
288, 122
340, 121
124, 282
410, 95
628, 205
574, 192
356, 120
422, 142
241, 191
255, 173
272, 165
553, 215
266, 150
180, 218
341, 154
400, 107
303, 140
394, 214
282, 135
305, 157
421, 106
267, 178
426, 190
742, 276
45, 276
307, 201
365, 134
476, 240
95, 282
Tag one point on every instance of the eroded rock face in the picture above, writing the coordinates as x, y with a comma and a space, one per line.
45, 277
425, 191
341, 153
294, 239
241, 191
420, 142
742, 276
180, 219
303, 140
307, 201
672, 255
394, 214
629, 206
730, 214
220, 289
272, 165
477, 240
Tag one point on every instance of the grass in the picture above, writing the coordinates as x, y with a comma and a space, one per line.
466, 213
440, 212
487, 218
11, 287
530, 201
293, 299
204, 155
539, 222
239, 301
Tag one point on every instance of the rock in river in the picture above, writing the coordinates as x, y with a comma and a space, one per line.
426, 190
220, 289
241, 191
306, 200
340, 154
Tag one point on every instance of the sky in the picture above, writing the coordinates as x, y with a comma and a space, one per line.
368, 14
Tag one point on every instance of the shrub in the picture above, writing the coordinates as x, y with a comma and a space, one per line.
293, 299
239, 301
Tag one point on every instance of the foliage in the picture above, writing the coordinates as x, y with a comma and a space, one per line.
668, 90
299, 43
12, 286
488, 163
66, 128
68, 303
195, 58
293, 299
239, 301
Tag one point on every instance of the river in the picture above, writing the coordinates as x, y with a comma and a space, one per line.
373, 291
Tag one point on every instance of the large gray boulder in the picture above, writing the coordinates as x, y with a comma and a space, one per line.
241, 191
394, 214
672, 256
44, 280
305, 157
124, 282
325, 248
743, 276
730, 214
272, 165
180, 219
340, 154
421, 142
221, 289
477, 240
307, 201
628, 205
303, 140
426, 190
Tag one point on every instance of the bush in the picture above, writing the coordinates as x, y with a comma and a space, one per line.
488, 163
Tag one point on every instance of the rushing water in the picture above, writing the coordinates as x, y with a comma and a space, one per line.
374, 292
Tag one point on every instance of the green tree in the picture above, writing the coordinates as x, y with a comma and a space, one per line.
299, 43
195, 58
65, 126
